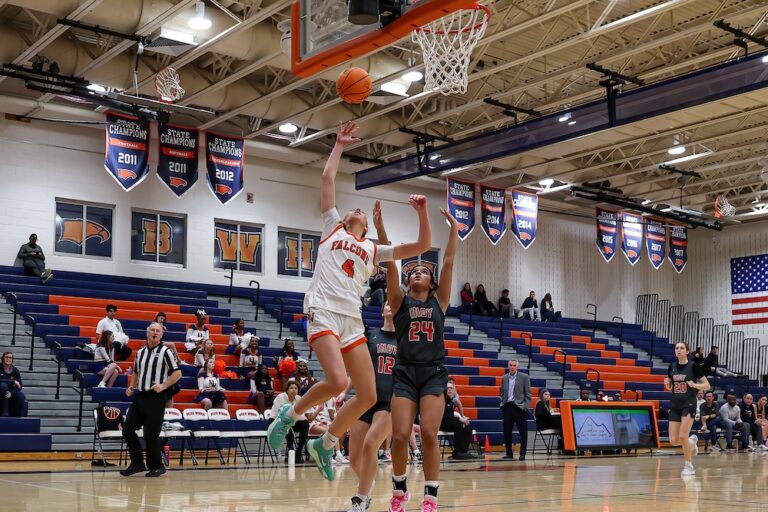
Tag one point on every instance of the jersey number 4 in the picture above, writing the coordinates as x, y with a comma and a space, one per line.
349, 268
425, 326
385, 365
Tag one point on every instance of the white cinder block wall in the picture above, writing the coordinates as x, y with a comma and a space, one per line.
42, 162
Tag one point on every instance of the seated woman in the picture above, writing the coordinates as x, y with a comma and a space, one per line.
211, 392
238, 338
458, 424
12, 399
250, 358
104, 363
467, 298
482, 305
197, 333
321, 417
545, 420
288, 350
161, 318
301, 427
262, 395
548, 313
204, 353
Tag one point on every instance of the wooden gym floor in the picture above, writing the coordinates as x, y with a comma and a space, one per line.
647, 483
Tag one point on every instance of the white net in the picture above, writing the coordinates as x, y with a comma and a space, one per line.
446, 46
723, 208
168, 85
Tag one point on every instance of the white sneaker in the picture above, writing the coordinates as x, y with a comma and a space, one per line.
749, 449
688, 470
101, 385
694, 441
340, 459
358, 505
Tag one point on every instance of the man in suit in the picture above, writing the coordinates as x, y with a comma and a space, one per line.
515, 398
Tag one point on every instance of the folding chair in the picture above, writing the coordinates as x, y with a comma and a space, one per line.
220, 418
173, 416
105, 435
246, 416
198, 422
549, 438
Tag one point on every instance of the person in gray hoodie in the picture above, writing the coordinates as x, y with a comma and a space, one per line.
730, 419
33, 259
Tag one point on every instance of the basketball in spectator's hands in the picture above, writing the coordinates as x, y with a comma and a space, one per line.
418, 202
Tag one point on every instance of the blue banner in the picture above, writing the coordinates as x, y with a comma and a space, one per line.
127, 153
224, 158
461, 205
607, 233
678, 247
177, 157
656, 242
632, 236
525, 217
492, 209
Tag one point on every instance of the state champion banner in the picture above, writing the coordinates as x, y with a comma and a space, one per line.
678, 247
631, 236
656, 242
492, 210
461, 205
224, 158
607, 232
525, 217
177, 157
127, 152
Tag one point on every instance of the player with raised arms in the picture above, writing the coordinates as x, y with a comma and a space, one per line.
420, 379
345, 260
684, 378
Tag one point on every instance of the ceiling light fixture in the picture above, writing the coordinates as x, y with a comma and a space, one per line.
96, 88
547, 182
765, 59
397, 88
571, 123
413, 76
288, 128
563, 118
646, 201
687, 158
200, 22
677, 148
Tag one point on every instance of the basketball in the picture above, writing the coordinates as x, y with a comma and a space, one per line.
354, 85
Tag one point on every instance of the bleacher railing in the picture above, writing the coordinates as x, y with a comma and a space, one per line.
80, 388
597, 381
525, 335
565, 362
594, 317
258, 297
621, 327
231, 278
58, 360
12, 301
280, 321
31, 321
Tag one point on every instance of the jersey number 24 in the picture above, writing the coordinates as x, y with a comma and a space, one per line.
425, 326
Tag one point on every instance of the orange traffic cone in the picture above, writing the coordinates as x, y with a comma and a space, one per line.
487, 446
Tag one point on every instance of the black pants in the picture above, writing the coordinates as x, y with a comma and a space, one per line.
300, 429
462, 434
513, 416
13, 406
147, 411
33, 266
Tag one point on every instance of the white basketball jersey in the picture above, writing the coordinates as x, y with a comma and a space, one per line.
344, 264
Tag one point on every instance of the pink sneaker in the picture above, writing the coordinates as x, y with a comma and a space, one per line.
396, 504
429, 504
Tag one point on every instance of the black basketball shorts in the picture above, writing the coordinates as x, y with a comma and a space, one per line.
678, 413
367, 416
413, 382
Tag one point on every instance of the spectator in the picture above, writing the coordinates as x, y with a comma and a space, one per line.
304, 377
548, 313
197, 333
288, 350
238, 338
250, 359
698, 356
762, 418
11, 396
530, 307
301, 427
515, 394
601, 397
730, 419
211, 392
104, 363
33, 259
709, 418
320, 418
377, 290
206, 352
482, 305
455, 421
505, 305
162, 319
697, 425
110, 323
545, 420
262, 395
467, 298
749, 417
711, 362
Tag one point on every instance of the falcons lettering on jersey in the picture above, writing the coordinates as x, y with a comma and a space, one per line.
344, 245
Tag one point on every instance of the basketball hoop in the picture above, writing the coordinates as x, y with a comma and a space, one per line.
446, 46
723, 208
168, 85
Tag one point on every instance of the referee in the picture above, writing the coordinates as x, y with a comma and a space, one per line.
154, 371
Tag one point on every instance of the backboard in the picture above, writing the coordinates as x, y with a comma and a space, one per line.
326, 39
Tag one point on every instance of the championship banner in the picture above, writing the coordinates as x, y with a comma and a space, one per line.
678, 247
607, 233
631, 236
224, 158
127, 153
525, 214
656, 242
461, 205
492, 206
177, 157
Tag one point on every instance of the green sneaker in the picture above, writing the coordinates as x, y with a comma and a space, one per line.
278, 429
323, 458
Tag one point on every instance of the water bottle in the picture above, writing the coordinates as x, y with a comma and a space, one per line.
291, 457
129, 372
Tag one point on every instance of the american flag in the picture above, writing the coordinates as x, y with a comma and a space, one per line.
749, 290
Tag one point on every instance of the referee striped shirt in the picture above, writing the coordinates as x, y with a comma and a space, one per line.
154, 366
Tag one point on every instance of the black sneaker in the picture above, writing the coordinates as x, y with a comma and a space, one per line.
155, 472
132, 470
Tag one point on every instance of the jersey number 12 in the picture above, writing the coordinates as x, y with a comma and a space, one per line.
385, 365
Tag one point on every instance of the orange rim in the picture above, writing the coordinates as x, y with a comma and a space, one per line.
476, 7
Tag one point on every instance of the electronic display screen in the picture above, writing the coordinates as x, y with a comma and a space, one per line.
608, 427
